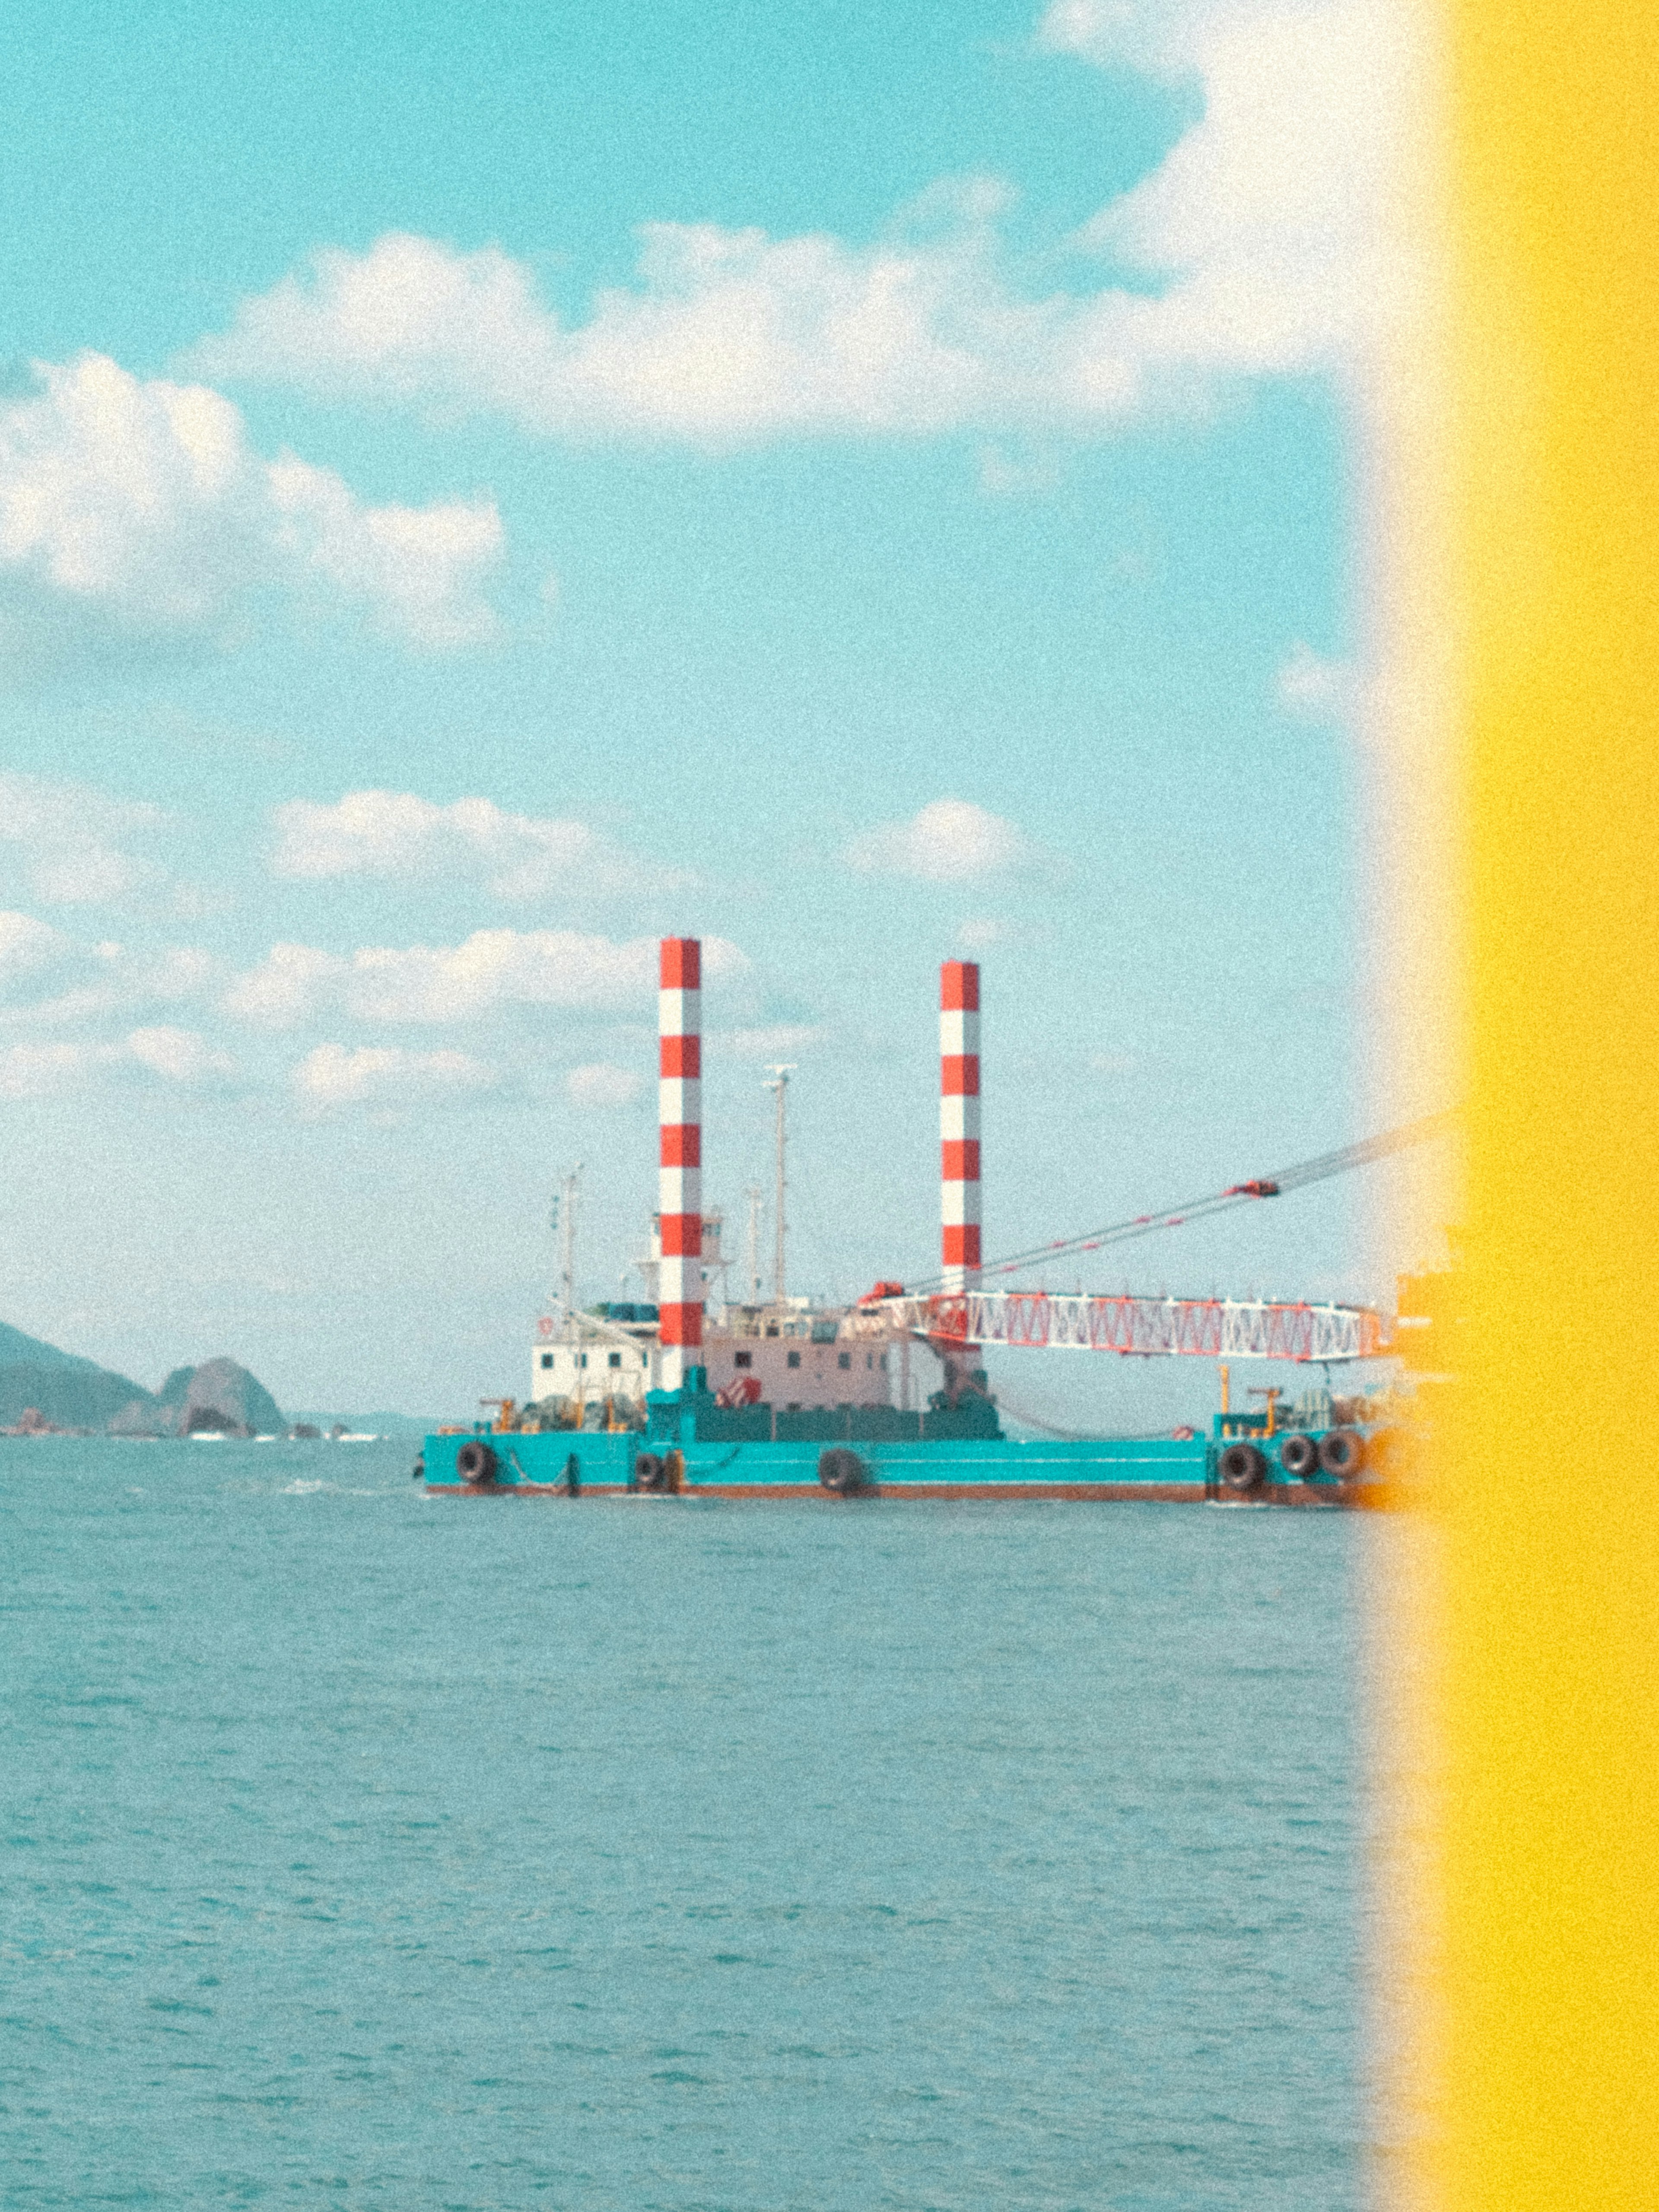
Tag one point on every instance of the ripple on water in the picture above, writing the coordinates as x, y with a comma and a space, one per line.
749, 1858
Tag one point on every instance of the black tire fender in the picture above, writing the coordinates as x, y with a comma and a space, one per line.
843, 1473
476, 1462
1299, 1457
1342, 1452
647, 1473
1242, 1468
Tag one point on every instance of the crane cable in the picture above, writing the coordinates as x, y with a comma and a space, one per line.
1238, 1194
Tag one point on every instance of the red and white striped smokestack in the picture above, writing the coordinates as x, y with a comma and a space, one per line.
679, 1191
958, 1121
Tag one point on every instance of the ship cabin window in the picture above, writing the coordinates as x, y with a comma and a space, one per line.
547, 1359
843, 1359
615, 1359
582, 1361
743, 1359
771, 1328
794, 1359
884, 1362
869, 1358
794, 1408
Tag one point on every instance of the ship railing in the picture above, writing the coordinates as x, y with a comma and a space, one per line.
584, 1328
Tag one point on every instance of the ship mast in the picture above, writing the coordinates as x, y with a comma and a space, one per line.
778, 1084
564, 1220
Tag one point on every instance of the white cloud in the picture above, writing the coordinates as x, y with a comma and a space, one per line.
334, 1075
47, 976
491, 969
69, 840
291, 983
729, 334
1269, 234
951, 840
142, 507
417, 569
601, 1084
29, 949
1280, 219
390, 833
47, 1071
1154, 36
180, 1057
1314, 690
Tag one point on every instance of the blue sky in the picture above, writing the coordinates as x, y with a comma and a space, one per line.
482, 487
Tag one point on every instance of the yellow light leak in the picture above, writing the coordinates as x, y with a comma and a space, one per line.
1543, 2041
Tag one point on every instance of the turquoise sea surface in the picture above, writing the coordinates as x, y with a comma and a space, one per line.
364, 1849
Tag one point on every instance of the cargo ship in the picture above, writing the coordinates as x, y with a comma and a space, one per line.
687, 1394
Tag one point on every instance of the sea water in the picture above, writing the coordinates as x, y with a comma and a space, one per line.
365, 1848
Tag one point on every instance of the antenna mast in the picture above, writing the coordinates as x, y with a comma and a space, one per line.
779, 1084
753, 1195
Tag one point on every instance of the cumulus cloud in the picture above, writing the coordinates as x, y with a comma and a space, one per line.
1315, 690
29, 950
142, 508
338, 1075
47, 976
522, 857
492, 968
951, 840
1281, 220
1264, 243
181, 1058
729, 334
289, 985
47, 1071
71, 844
600, 1084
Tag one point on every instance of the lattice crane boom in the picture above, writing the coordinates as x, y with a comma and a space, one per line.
1206, 1328
1147, 1329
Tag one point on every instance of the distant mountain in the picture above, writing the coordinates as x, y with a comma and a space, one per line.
66, 1390
72, 1393
75, 1395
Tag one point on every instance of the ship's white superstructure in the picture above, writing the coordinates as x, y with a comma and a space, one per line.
791, 1355
591, 1358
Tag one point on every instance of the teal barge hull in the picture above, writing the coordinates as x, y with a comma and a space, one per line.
988, 1466
1108, 1468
